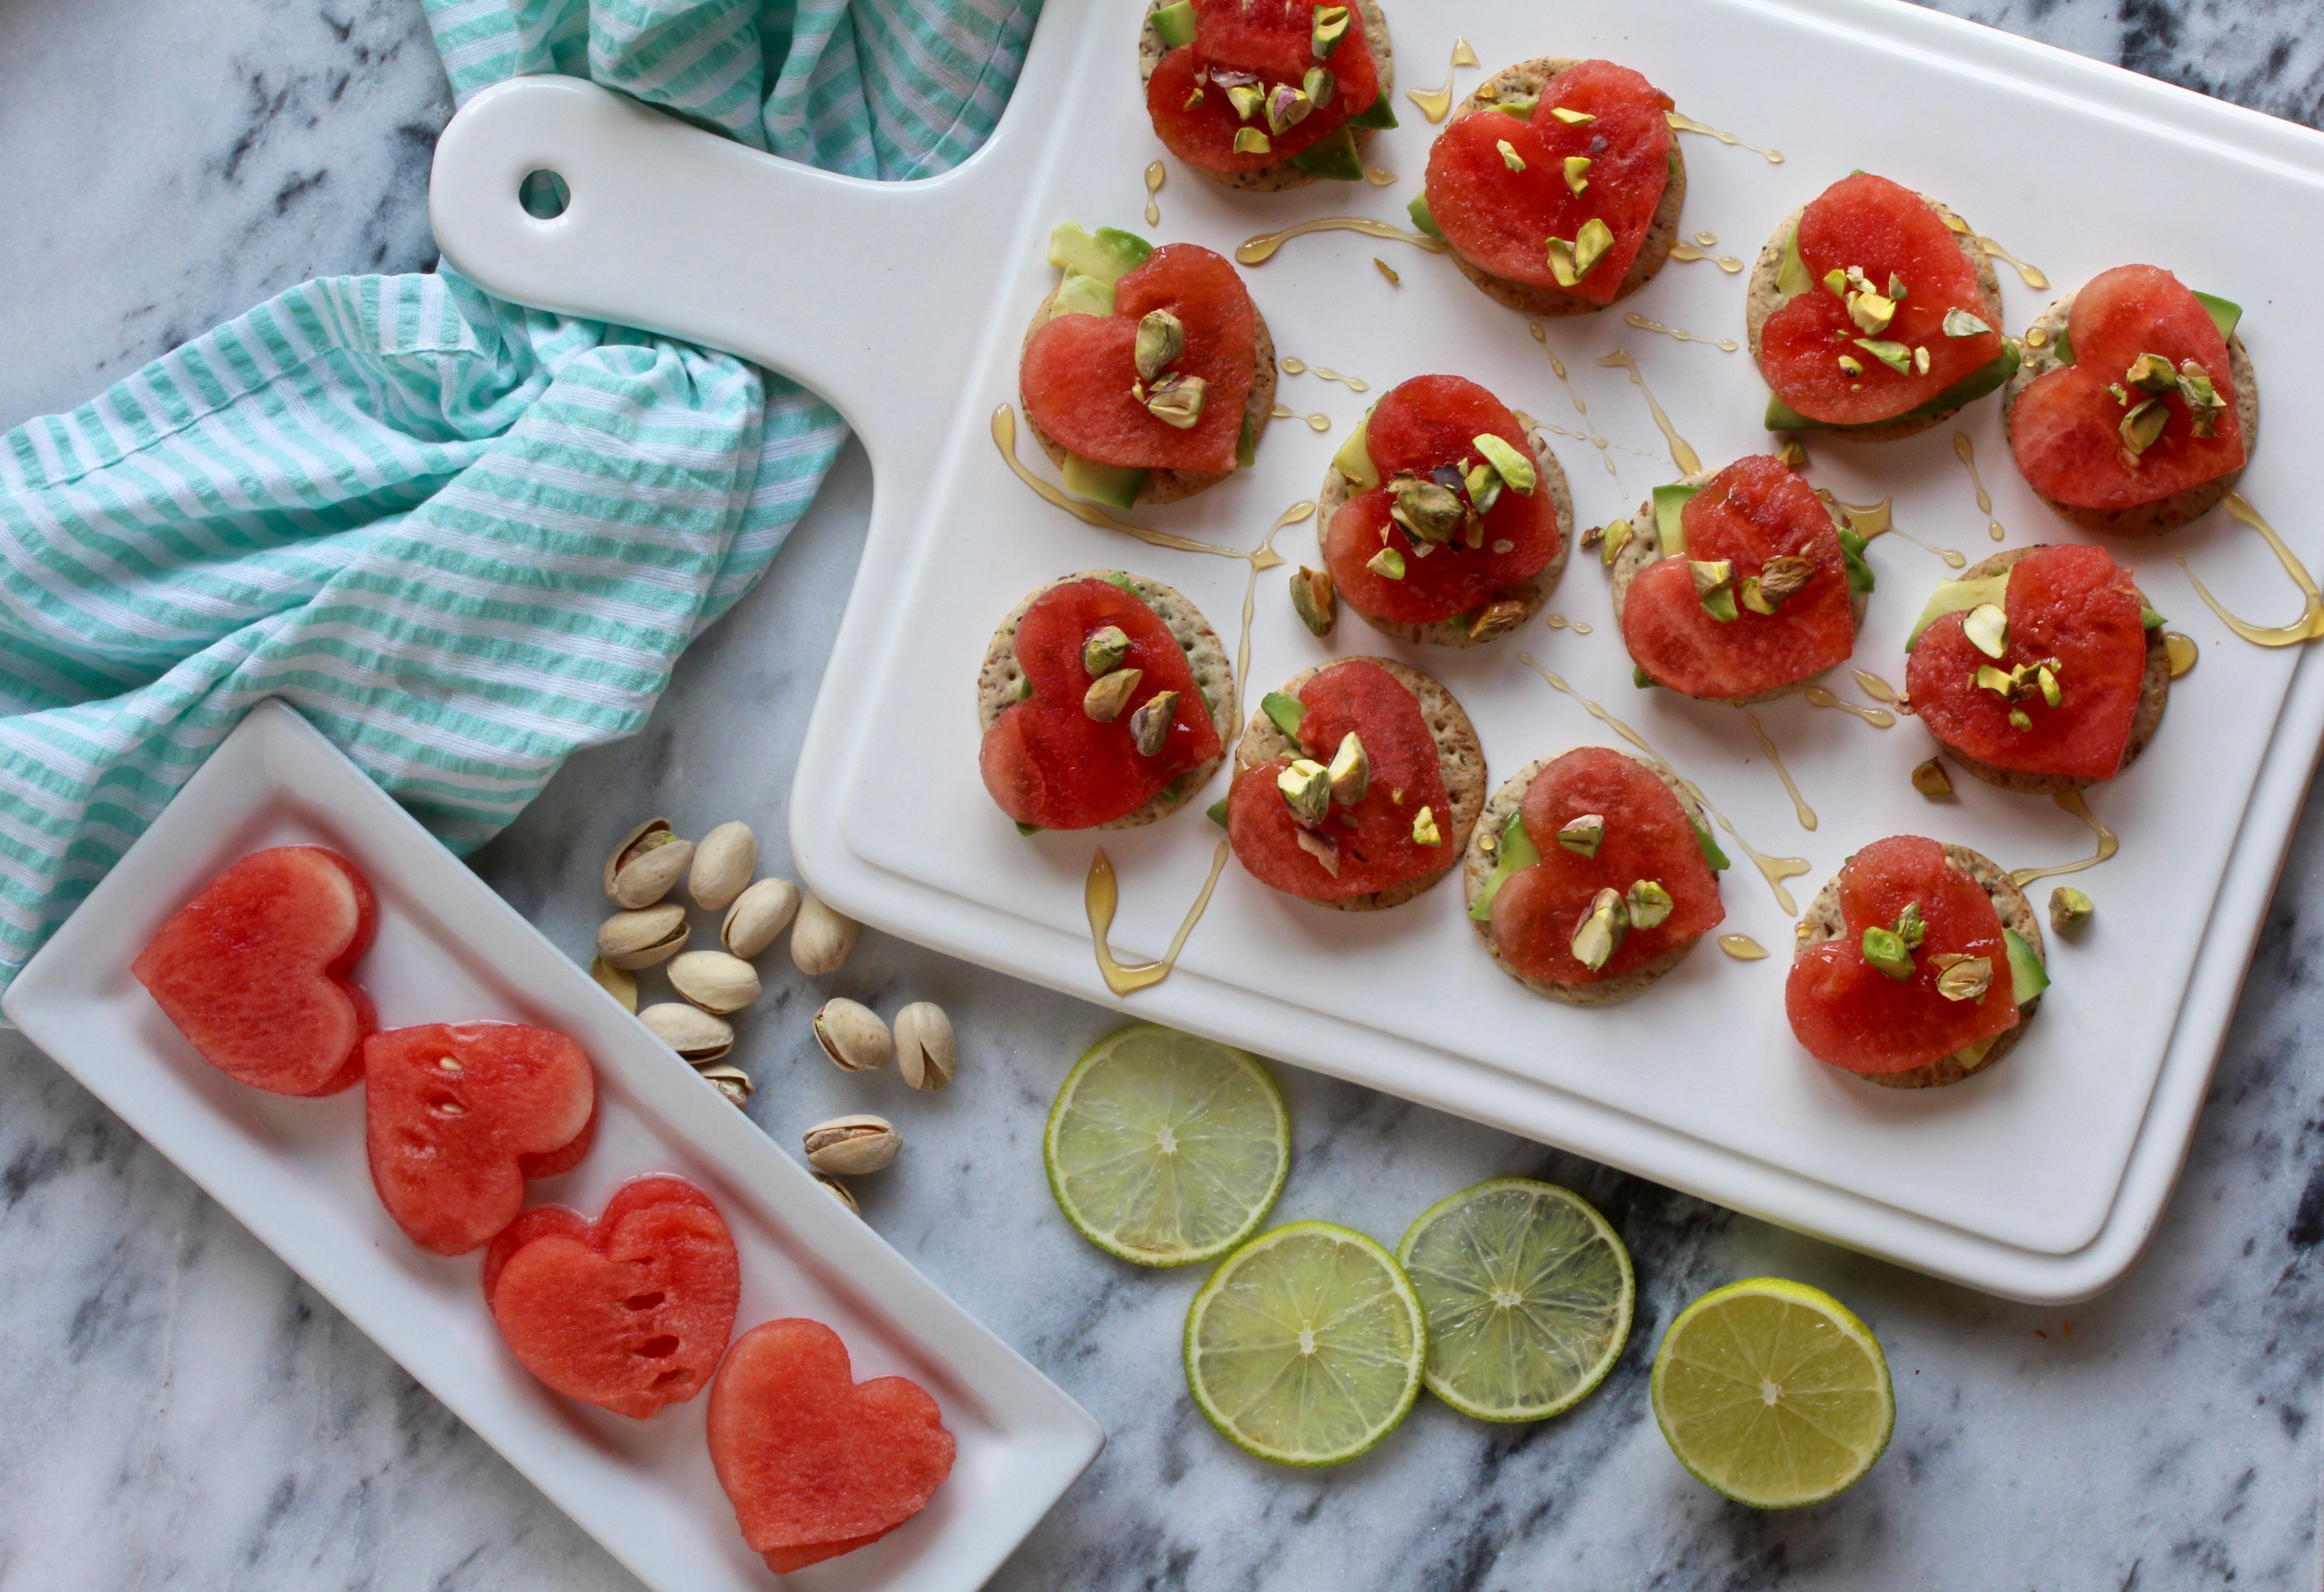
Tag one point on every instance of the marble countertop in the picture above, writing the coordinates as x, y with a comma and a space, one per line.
183, 1412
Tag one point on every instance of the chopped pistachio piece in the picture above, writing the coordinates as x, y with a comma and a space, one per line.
1930, 780
1427, 509
1483, 484
1508, 462
1896, 287
1987, 628
1885, 952
1649, 905
2070, 909
1102, 653
1176, 401
1250, 140
2121, 395
1571, 118
1792, 455
2202, 398
1577, 172
1306, 787
1967, 979
1895, 355
1911, 927
1849, 365
1921, 361
1872, 311
1192, 100
1247, 98
1424, 832
1161, 339
1960, 323
1287, 107
1388, 563
1601, 929
2000, 682
2019, 719
1350, 772
1615, 538
1582, 836
1589, 245
1149, 726
1836, 280
1319, 86
1495, 620
1561, 263
2142, 427
1748, 595
2151, 372
1509, 156
2048, 682
1714, 584
1312, 598
1784, 576
1330, 26
1109, 694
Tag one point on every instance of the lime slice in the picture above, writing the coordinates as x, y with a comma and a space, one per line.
1305, 1346
1528, 1294
1773, 1394
1167, 1149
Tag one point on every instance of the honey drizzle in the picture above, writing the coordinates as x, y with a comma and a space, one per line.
1688, 461
1799, 808
1558, 621
1436, 104
1879, 718
1742, 948
1595, 438
1874, 686
1774, 870
2181, 652
1155, 176
2311, 622
1680, 124
1004, 437
1708, 240
1724, 345
1379, 177
1965, 452
2030, 275
2071, 801
1283, 412
1101, 895
1291, 364
1876, 519
1686, 254
1261, 249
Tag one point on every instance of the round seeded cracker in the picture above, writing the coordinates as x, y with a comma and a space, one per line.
1282, 175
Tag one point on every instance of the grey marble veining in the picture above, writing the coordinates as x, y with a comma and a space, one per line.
182, 1412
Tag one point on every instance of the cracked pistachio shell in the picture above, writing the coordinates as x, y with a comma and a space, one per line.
759, 915
724, 861
821, 939
852, 1035
850, 1146
729, 1081
649, 861
714, 980
1161, 339
838, 1190
631, 940
926, 1055
694, 1034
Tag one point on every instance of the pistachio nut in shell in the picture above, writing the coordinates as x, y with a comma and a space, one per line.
631, 940
838, 1190
649, 861
714, 980
850, 1146
724, 861
729, 1081
694, 1034
926, 1055
759, 915
821, 939
852, 1035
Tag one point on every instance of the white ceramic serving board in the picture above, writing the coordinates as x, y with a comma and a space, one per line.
294, 1172
904, 304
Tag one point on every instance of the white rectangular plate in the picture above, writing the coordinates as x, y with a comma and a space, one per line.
294, 1172
905, 303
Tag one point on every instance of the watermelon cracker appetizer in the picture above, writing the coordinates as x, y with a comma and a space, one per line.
2136, 405
816, 1463
1356, 786
1872, 314
254, 971
1739, 587
1267, 94
459, 1115
1557, 185
1592, 874
1106, 701
1148, 374
1918, 965
631, 1312
1443, 519
2042, 670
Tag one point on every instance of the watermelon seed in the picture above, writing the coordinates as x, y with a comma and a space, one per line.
448, 1064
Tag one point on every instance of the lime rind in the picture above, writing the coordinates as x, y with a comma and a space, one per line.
1305, 1348
1830, 1363
1220, 1109
1534, 1243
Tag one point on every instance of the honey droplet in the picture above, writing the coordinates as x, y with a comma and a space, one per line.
1742, 948
1155, 176
2180, 650
1379, 177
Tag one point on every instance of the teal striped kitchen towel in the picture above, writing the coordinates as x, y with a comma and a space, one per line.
466, 539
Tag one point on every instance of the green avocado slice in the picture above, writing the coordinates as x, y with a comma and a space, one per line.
1792, 279
1176, 23
1782, 417
1670, 503
2226, 314
1355, 459
1110, 256
1424, 217
1082, 295
2027, 977
1520, 105
1116, 486
1217, 811
1286, 712
1958, 596
1379, 114
1710, 852
1334, 158
1851, 554
1518, 851
1247, 443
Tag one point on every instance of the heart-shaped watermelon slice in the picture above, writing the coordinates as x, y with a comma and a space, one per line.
1850, 1014
254, 970
629, 1313
1372, 841
816, 1463
459, 1115
1885, 233
1272, 39
1754, 510
2071, 609
2066, 429
1078, 370
1500, 190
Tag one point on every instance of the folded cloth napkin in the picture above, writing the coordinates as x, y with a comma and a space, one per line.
466, 539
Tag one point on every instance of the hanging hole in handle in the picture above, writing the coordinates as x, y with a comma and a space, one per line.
543, 195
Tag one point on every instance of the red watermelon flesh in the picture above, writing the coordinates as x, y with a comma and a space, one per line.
2074, 604
815, 1462
1851, 1015
1753, 510
1375, 848
1271, 38
2066, 429
254, 970
1647, 837
1078, 369
1046, 762
451, 1114
1419, 424
1501, 220
1886, 230
630, 1314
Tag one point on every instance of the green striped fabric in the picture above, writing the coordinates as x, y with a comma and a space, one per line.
465, 538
